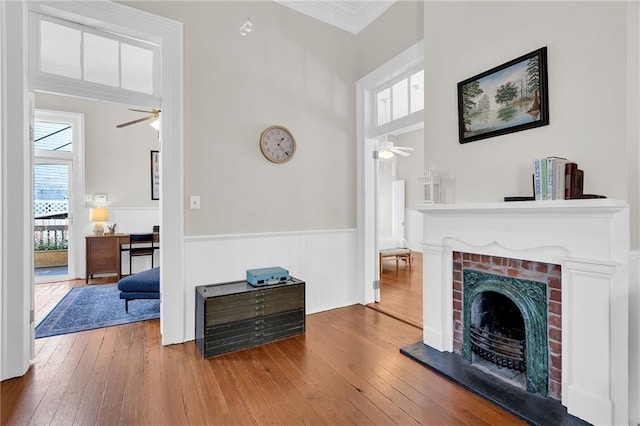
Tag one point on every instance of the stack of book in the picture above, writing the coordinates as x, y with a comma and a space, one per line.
556, 178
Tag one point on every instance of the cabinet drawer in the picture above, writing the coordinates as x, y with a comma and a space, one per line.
98, 266
102, 248
240, 307
243, 334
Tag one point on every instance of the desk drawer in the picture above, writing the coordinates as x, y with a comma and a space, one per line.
103, 248
99, 266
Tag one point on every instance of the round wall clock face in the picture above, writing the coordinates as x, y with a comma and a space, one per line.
277, 144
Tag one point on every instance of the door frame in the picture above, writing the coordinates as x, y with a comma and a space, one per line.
368, 262
16, 287
76, 222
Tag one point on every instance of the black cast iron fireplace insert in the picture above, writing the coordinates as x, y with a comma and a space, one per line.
507, 318
497, 331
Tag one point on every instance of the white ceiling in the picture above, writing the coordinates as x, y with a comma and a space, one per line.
349, 15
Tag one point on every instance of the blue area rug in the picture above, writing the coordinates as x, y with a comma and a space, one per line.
96, 306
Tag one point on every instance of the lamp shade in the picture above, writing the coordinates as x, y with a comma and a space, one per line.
98, 214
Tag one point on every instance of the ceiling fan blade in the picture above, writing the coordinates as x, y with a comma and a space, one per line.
399, 152
139, 120
406, 148
153, 111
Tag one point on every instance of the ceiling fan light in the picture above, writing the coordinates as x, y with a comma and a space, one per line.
385, 154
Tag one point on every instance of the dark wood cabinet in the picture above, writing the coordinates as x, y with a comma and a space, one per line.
103, 255
235, 315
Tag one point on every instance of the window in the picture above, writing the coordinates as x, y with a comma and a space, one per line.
88, 55
49, 136
400, 98
384, 106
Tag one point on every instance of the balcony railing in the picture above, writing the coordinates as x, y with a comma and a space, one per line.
50, 234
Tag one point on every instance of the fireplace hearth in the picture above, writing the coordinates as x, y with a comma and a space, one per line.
534, 409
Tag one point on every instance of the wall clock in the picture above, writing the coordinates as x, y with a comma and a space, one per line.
277, 144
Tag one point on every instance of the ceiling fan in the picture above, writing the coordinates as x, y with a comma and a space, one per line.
155, 114
386, 150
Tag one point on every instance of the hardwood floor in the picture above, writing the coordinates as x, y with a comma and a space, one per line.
346, 369
401, 290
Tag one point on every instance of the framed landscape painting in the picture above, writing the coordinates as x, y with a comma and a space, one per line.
508, 98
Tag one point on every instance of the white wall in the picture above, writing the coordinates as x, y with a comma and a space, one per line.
587, 93
400, 27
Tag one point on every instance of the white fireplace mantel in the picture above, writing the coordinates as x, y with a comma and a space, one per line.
590, 240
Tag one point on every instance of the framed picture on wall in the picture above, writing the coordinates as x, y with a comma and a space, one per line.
155, 175
508, 98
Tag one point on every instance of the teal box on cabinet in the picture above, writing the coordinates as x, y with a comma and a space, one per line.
267, 276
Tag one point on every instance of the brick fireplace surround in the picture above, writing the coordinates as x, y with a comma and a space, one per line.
589, 240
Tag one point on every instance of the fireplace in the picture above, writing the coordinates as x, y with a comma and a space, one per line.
507, 319
583, 320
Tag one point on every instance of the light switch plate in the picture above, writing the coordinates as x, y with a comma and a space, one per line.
194, 202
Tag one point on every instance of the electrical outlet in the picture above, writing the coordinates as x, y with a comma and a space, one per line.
88, 198
194, 202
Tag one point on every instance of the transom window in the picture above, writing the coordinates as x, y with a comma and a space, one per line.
91, 56
400, 98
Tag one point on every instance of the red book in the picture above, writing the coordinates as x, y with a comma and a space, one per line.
570, 172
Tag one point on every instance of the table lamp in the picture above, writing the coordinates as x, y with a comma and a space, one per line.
98, 215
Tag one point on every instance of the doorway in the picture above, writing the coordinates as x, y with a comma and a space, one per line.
58, 182
16, 85
385, 106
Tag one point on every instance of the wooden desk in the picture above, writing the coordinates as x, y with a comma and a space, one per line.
103, 253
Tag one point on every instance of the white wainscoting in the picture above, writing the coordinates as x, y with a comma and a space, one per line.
325, 260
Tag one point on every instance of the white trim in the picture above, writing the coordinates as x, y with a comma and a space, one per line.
17, 340
227, 237
3, 242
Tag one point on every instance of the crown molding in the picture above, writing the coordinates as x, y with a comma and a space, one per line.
351, 15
